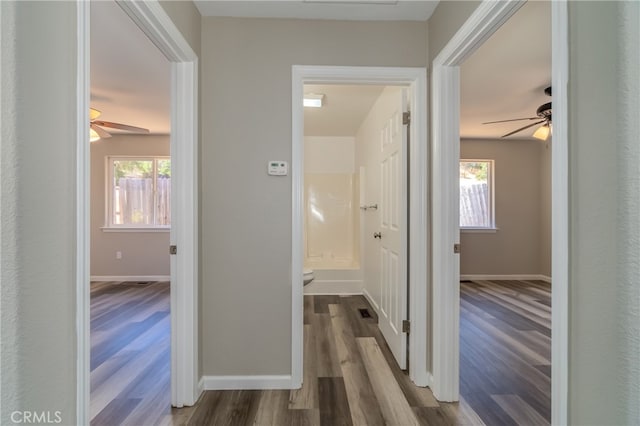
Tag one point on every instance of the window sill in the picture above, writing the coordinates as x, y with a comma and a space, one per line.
478, 230
133, 229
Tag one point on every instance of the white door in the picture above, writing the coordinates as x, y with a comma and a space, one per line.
392, 234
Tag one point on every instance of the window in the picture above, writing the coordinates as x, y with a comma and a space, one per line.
476, 194
139, 192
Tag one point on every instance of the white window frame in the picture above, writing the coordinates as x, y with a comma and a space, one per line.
492, 197
109, 204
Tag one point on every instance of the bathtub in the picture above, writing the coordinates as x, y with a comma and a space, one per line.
332, 233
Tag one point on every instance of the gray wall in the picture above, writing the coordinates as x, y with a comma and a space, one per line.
186, 18
246, 215
604, 287
446, 21
38, 209
143, 253
516, 247
604, 290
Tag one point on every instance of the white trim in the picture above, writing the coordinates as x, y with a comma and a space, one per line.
560, 214
516, 277
368, 296
132, 229
246, 382
484, 21
156, 24
83, 244
130, 278
334, 287
416, 79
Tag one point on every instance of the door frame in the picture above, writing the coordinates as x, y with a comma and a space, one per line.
416, 80
484, 21
156, 24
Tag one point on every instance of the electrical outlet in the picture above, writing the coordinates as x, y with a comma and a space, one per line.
118, 255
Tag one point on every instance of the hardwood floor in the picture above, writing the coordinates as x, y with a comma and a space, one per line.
130, 349
350, 376
505, 351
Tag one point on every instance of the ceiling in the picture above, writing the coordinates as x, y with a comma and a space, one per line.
344, 109
350, 10
505, 78
130, 77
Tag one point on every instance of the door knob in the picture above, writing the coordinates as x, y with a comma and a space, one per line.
377, 235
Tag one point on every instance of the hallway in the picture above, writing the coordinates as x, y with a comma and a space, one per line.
350, 378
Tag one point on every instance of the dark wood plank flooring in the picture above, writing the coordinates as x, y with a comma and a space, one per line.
505, 351
350, 376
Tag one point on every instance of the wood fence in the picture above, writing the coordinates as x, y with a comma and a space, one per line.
474, 205
134, 202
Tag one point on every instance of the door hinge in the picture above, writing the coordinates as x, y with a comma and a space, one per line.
406, 118
456, 248
406, 326
173, 249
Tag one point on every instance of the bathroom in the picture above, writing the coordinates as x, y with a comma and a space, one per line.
342, 189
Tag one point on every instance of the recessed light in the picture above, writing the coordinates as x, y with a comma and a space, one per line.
313, 100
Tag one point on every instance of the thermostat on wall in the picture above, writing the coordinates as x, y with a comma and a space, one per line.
277, 168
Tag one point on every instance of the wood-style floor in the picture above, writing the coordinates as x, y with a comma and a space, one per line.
350, 377
130, 350
505, 351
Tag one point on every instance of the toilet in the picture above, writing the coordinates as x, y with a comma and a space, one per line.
308, 275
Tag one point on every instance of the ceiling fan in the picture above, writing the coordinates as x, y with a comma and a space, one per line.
543, 116
96, 130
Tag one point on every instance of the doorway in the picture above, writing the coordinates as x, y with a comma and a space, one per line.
355, 179
446, 147
154, 22
415, 80
505, 226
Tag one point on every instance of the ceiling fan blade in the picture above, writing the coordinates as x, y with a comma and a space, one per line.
523, 128
119, 126
100, 131
93, 114
513, 119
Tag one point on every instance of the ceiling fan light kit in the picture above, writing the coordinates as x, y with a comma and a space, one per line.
96, 131
543, 113
543, 132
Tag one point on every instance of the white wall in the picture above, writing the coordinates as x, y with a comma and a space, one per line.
329, 154
143, 253
516, 247
246, 215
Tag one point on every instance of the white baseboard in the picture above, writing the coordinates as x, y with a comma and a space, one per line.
370, 299
134, 278
246, 382
505, 277
334, 287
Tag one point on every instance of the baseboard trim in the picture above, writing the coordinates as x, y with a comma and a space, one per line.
521, 277
135, 278
246, 382
333, 287
373, 303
